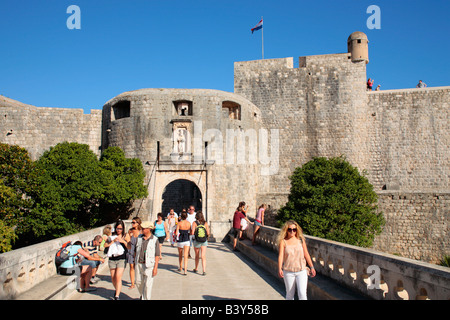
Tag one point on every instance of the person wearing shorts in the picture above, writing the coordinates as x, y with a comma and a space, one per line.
238, 215
161, 231
183, 242
72, 266
199, 246
117, 254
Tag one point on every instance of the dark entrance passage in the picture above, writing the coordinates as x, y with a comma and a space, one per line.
181, 194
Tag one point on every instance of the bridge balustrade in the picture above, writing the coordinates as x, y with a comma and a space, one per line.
375, 274
23, 268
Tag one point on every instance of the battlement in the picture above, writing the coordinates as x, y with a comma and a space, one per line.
39, 128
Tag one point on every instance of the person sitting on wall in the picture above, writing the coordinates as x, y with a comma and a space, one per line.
72, 266
92, 248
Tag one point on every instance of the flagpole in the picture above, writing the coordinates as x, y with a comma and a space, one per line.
262, 39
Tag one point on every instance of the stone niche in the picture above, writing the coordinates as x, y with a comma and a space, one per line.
181, 138
232, 110
183, 108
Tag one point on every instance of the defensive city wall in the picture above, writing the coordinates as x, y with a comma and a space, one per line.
400, 138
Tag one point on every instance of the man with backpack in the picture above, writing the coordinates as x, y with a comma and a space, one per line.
200, 233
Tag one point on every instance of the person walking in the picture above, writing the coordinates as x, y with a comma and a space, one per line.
293, 260
259, 221
183, 243
131, 238
238, 216
117, 254
172, 222
161, 231
191, 218
147, 259
201, 233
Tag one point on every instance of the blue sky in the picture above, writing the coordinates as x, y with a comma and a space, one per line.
132, 44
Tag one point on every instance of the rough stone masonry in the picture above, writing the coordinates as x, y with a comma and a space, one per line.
284, 116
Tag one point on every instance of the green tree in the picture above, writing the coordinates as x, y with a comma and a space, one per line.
10, 215
71, 186
123, 182
330, 199
18, 186
66, 191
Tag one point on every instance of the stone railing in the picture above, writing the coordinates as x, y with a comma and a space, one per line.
372, 273
22, 269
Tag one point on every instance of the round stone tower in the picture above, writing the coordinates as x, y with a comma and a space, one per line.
358, 46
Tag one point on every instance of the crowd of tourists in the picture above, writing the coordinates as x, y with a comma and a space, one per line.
141, 249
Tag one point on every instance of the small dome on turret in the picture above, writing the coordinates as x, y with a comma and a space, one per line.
357, 35
358, 46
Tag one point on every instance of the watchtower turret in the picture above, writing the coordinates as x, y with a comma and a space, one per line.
358, 46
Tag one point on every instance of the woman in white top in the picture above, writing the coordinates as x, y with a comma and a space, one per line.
172, 225
117, 254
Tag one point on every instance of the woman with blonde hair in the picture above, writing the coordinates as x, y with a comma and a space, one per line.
293, 259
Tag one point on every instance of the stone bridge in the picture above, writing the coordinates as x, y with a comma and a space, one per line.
345, 272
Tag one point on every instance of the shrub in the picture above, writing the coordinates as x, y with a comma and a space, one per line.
330, 199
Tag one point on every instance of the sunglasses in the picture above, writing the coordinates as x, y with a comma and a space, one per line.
292, 229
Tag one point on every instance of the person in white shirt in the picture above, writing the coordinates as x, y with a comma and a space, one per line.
174, 213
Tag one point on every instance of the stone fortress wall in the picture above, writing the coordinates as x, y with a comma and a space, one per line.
399, 137
39, 128
145, 124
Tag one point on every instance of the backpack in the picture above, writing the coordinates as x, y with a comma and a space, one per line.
63, 254
200, 233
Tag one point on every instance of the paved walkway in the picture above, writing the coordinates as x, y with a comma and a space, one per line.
230, 275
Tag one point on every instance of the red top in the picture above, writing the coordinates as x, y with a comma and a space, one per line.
238, 215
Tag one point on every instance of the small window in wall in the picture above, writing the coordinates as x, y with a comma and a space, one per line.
121, 109
183, 107
233, 109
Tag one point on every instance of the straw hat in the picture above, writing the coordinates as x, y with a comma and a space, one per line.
147, 225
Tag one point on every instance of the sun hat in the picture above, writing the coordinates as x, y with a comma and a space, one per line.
147, 225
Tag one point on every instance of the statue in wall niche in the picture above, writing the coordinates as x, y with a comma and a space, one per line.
181, 139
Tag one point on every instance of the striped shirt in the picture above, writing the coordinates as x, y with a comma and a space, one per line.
89, 246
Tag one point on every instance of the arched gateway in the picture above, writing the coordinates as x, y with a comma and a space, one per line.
181, 194
197, 146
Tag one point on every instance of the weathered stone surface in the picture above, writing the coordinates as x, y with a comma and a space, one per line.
400, 138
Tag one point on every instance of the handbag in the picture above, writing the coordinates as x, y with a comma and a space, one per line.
244, 224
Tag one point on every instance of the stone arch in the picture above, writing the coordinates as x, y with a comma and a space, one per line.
163, 178
180, 194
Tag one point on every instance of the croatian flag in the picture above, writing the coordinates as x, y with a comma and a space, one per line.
258, 26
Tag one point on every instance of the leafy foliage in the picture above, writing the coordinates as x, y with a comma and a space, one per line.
330, 199
122, 180
445, 261
18, 186
66, 191
70, 187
